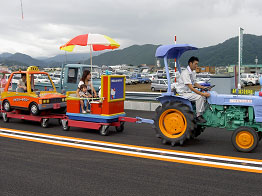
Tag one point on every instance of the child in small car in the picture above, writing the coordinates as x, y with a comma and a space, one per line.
83, 93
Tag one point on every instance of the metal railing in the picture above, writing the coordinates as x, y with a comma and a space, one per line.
142, 96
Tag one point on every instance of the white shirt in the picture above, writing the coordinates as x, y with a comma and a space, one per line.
88, 84
187, 77
82, 94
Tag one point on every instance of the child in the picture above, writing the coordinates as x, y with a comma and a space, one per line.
83, 93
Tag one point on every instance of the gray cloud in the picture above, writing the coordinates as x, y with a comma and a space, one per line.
48, 24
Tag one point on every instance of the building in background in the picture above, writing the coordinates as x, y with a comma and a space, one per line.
209, 69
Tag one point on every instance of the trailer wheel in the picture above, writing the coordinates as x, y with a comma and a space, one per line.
7, 106
121, 127
5, 118
44, 122
245, 139
59, 121
34, 109
174, 123
65, 126
104, 130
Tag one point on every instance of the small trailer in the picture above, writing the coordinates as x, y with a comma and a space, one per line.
106, 111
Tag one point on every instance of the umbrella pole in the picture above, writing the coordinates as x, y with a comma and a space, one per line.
65, 58
91, 64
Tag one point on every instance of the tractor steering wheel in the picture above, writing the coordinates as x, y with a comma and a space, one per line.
209, 88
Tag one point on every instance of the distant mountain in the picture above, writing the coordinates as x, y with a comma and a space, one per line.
68, 57
24, 59
222, 54
225, 53
76, 57
5, 55
134, 55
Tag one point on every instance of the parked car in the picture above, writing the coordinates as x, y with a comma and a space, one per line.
55, 79
41, 78
139, 78
128, 80
145, 80
15, 79
249, 79
152, 77
160, 73
159, 84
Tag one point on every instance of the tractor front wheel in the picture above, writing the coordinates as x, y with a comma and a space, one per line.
245, 139
174, 123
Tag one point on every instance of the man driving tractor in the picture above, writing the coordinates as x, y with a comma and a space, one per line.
185, 88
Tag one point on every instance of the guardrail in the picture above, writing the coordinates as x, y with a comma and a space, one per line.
142, 96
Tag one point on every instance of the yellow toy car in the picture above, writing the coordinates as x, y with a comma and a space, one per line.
26, 97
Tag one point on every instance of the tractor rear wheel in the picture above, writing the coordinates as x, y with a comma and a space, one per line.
174, 123
245, 139
259, 135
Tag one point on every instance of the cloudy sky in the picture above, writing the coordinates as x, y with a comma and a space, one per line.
48, 24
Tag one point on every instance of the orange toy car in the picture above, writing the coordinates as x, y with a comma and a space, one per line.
27, 97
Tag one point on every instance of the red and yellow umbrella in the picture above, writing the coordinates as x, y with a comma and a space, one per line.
96, 42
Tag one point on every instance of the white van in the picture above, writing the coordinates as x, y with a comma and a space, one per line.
249, 79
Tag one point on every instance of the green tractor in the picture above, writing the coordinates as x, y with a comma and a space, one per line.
175, 120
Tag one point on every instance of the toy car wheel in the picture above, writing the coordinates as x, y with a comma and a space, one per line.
5, 118
104, 130
245, 139
44, 122
65, 126
153, 89
34, 109
7, 106
121, 127
174, 123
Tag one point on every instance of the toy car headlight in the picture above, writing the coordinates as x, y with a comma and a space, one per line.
44, 101
47, 101
63, 99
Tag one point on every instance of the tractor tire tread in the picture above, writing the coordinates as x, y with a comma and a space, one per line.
190, 122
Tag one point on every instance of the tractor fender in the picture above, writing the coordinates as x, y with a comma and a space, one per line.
174, 98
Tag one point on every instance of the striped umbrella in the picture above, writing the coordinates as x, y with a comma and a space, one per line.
96, 42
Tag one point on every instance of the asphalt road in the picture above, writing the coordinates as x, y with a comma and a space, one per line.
29, 168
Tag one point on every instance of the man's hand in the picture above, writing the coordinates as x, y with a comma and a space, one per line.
205, 94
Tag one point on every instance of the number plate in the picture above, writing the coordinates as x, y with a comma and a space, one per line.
56, 106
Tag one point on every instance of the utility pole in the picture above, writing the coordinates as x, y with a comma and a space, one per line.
256, 61
240, 46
